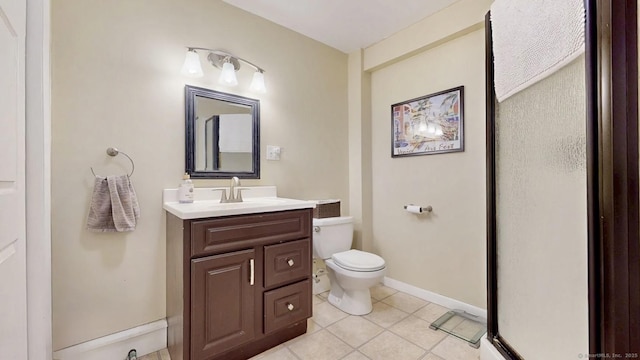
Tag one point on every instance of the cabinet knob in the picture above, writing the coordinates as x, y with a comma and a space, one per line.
290, 306
290, 262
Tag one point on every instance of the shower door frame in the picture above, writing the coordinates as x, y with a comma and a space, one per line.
612, 181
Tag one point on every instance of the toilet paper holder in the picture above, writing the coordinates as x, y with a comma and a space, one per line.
418, 209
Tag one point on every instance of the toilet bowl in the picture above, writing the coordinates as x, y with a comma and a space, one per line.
351, 272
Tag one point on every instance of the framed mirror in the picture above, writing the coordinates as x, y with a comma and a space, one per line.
222, 134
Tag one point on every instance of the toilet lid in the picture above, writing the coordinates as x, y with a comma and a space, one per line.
357, 260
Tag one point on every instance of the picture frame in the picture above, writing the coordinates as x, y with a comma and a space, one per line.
430, 124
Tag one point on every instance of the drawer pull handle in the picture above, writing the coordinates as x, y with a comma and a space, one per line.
251, 275
290, 262
290, 306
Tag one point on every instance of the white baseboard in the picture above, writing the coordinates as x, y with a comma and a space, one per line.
435, 298
488, 351
145, 339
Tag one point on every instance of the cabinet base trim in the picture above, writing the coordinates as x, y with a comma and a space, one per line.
145, 339
265, 343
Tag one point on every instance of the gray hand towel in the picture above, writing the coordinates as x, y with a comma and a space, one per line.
114, 205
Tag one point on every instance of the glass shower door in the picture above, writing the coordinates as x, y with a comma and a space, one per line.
541, 217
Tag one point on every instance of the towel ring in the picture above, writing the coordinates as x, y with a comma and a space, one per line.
113, 152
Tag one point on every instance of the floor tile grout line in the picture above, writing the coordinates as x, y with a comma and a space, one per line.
344, 342
371, 321
381, 300
370, 340
355, 351
410, 313
428, 350
400, 292
362, 317
438, 343
332, 334
401, 337
293, 352
390, 325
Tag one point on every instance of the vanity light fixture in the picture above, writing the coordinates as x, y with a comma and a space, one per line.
192, 67
225, 61
228, 75
257, 84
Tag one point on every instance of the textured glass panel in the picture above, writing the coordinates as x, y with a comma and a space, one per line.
542, 217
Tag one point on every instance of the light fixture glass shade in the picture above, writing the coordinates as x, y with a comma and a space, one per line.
192, 67
257, 84
228, 75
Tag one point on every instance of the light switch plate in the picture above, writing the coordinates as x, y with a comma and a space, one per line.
273, 152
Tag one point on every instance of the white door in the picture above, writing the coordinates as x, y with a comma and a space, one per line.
13, 280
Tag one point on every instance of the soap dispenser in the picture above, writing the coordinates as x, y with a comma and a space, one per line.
185, 190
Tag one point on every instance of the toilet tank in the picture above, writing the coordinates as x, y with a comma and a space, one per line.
332, 235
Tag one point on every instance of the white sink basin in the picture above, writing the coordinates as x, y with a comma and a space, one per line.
250, 205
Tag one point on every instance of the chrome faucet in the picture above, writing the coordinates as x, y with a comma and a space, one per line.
232, 190
235, 192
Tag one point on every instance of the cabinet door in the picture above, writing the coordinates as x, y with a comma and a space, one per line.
222, 303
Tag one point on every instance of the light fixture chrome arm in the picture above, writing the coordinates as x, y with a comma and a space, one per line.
224, 55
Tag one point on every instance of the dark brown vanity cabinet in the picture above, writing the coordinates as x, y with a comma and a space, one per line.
237, 285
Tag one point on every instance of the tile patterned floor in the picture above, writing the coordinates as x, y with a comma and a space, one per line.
160, 355
397, 328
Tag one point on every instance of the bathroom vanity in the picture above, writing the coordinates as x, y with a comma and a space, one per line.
238, 275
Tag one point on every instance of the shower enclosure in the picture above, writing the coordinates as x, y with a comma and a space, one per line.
562, 201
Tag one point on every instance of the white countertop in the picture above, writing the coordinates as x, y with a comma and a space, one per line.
257, 199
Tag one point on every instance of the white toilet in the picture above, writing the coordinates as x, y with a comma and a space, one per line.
351, 272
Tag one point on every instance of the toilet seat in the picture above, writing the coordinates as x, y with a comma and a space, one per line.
356, 260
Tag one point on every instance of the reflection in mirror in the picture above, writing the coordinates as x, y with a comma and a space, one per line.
222, 133
223, 136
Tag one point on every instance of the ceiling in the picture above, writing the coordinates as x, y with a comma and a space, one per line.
346, 25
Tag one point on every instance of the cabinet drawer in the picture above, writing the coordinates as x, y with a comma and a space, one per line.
287, 262
287, 305
243, 231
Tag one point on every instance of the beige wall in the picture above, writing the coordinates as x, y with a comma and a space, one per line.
462, 17
116, 82
360, 150
442, 252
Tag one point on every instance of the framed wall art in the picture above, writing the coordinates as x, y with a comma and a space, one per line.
431, 124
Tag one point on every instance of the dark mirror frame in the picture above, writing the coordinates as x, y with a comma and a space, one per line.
190, 101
